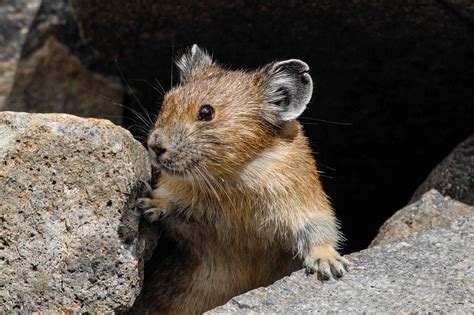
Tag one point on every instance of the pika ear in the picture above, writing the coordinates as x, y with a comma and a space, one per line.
193, 60
287, 86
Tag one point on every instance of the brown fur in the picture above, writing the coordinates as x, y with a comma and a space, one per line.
240, 195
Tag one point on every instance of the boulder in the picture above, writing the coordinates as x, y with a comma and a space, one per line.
454, 176
430, 212
15, 21
70, 233
50, 71
52, 80
425, 272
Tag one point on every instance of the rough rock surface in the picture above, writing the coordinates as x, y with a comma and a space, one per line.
430, 212
15, 19
69, 229
426, 272
454, 176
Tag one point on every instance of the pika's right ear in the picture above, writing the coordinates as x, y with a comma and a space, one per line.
287, 86
193, 60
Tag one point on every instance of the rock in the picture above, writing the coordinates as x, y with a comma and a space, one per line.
425, 272
15, 21
50, 75
70, 232
51, 79
432, 211
454, 176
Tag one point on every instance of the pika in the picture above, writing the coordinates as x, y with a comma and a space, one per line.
239, 193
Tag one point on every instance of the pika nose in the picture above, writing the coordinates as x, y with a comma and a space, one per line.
158, 150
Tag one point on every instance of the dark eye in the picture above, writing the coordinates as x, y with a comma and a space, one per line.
206, 113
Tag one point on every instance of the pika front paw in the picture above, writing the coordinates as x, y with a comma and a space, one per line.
144, 203
153, 214
326, 262
151, 210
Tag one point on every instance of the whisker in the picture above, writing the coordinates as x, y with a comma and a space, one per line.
160, 85
193, 132
126, 119
221, 188
161, 91
207, 156
136, 113
326, 121
114, 102
212, 142
326, 166
172, 44
172, 63
139, 127
133, 93
211, 188
199, 182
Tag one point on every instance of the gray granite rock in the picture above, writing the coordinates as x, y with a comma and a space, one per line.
69, 229
454, 176
15, 19
427, 272
432, 211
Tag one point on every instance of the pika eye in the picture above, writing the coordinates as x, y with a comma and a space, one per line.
206, 113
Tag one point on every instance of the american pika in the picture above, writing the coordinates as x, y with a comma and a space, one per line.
239, 193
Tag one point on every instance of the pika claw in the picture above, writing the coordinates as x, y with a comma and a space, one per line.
150, 212
326, 263
147, 187
153, 214
144, 203
345, 263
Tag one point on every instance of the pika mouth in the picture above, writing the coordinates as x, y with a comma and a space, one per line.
165, 166
171, 170
174, 164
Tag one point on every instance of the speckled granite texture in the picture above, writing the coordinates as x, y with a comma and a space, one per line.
69, 230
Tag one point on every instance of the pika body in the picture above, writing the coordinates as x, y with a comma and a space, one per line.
239, 193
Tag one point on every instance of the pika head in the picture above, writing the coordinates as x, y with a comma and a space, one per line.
215, 121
